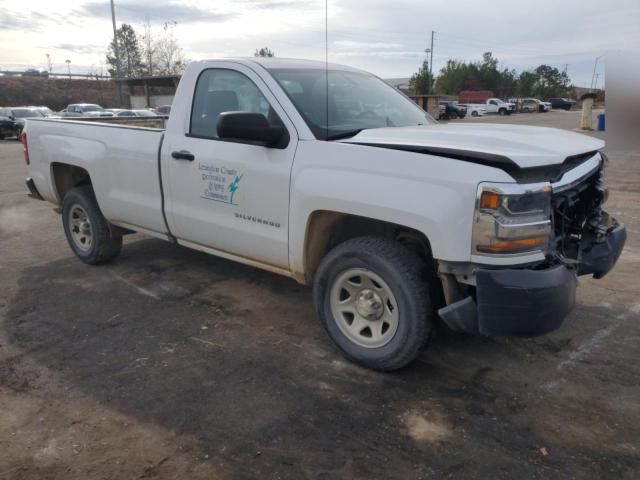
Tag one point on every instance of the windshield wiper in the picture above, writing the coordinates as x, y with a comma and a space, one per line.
347, 134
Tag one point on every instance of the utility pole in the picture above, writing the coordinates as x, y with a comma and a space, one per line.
595, 65
431, 62
595, 85
116, 51
68, 62
49, 64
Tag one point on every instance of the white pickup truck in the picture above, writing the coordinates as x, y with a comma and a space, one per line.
340, 182
494, 105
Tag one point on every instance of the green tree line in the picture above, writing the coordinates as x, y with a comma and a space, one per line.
456, 75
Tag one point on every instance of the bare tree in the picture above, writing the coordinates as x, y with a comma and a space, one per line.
149, 48
169, 56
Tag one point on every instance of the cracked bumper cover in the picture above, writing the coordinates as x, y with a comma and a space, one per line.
527, 303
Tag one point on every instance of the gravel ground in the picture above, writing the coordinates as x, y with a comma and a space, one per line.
169, 363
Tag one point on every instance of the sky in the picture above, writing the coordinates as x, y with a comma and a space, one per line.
386, 37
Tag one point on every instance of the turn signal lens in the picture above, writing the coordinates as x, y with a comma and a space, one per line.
513, 246
489, 200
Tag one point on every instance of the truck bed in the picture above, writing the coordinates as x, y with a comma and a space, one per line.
122, 161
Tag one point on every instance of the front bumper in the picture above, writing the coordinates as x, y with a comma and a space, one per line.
527, 303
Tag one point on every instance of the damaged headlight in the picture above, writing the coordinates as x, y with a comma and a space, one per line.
512, 219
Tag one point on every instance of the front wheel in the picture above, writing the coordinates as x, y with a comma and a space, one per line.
89, 234
373, 300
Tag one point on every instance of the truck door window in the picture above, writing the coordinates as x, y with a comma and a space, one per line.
220, 90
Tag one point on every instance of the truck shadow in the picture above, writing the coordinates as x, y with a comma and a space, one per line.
233, 357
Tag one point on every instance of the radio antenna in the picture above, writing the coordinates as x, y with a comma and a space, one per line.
326, 62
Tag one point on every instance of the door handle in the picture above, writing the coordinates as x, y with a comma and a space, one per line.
183, 155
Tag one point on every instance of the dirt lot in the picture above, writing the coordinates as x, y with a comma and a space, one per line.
170, 363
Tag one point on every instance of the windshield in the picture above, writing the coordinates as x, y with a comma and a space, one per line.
356, 101
26, 112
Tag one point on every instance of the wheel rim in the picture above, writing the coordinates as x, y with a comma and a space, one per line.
364, 308
80, 228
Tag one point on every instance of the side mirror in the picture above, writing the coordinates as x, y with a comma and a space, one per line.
251, 128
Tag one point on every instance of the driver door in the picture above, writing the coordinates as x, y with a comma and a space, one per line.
226, 195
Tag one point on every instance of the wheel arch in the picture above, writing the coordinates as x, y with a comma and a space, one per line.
65, 176
326, 229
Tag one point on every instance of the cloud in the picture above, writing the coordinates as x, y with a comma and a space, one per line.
138, 11
81, 49
274, 4
388, 50
32, 21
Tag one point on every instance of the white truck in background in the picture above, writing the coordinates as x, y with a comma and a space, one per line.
334, 178
494, 105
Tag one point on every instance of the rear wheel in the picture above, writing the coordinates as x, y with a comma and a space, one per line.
89, 234
474, 114
373, 300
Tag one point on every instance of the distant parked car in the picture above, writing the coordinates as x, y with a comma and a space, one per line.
46, 111
145, 113
164, 110
533, 105
451, 110
474, 110
81, 109
7, 124
121, 112
561, 103
98, 113
20, 116
32, 72
495, 105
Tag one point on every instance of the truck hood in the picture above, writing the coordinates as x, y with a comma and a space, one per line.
521, 146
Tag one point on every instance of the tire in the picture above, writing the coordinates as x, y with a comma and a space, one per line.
502, 111
396, 277
474, 114
19, 135
82, 218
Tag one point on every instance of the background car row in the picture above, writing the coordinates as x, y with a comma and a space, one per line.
12, 119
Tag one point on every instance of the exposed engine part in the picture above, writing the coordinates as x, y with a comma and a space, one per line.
579, 222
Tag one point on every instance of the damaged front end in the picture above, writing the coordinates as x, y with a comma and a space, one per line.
534, 299
585, 236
